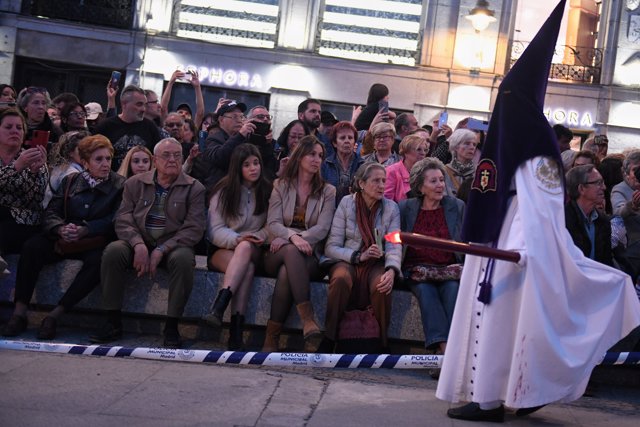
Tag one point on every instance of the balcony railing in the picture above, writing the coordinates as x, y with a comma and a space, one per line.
570, 63
109, 13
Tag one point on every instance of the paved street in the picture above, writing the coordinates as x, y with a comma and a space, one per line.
69, 390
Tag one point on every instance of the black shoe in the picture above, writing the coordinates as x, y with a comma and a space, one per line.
526, 411
236, 328
47, 329
327, 346
472, 412
434, 373
172, 338
16, 326
106, 333
219, 306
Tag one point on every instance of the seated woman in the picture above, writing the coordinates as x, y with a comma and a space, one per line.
300, 211
339, 168
365, 272
138, 160
412, 149
63, 160
435, 214
236, 228
23, 179
462, 144
82, 208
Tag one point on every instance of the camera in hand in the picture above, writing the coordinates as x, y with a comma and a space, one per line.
636, 173
258, 135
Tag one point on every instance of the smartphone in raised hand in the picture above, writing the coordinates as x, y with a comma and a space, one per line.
444, 117
114, 81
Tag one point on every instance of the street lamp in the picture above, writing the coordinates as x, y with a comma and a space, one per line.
481, 16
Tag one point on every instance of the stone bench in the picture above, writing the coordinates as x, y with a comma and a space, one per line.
144, 296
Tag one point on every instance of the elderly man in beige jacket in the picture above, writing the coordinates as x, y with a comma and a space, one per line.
161, 218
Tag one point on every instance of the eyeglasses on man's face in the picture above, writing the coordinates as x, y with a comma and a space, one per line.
78, 114
168, 156
597, 183
263, 116
236, 117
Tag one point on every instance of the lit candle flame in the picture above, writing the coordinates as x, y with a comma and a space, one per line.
393, 237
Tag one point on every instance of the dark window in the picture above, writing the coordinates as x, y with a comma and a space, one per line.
88, 83
110, 13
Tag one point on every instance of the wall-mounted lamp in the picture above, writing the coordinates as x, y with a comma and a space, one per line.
481, 16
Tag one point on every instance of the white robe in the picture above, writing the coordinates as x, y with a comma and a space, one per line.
551, 317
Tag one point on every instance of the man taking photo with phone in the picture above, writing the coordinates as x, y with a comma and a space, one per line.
212, 165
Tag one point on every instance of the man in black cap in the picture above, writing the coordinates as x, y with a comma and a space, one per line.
213, 164
527, 334
327, 120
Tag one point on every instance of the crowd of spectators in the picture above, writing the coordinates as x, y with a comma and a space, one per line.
141, 187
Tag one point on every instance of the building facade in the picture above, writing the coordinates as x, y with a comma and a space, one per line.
279, 52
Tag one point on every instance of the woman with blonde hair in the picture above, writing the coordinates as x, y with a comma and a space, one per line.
138, 160
413, 148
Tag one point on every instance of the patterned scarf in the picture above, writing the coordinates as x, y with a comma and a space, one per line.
93, 182
463, 170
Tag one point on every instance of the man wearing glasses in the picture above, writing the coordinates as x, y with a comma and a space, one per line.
590, 229
263, 139
212, 165
161, 218
129, 128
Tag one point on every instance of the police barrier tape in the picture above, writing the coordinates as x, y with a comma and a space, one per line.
317, 360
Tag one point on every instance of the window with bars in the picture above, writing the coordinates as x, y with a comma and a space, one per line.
251, 23
386, 31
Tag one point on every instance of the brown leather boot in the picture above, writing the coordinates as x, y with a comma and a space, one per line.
272, 337
310, 330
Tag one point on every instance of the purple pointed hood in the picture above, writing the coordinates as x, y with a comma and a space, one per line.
518, 131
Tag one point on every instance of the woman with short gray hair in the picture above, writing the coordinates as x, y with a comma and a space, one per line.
462, 144
383, 135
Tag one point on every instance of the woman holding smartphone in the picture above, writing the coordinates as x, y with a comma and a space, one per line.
23, 179
366, 266
300, 211
236, 228
82, 210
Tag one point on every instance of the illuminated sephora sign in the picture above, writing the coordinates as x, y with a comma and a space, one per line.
226, 77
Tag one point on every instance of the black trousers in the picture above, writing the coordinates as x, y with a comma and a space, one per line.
13, 236
37, 252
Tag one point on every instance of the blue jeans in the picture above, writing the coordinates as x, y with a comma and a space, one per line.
437, 301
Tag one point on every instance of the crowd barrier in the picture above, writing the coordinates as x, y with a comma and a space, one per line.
313, 360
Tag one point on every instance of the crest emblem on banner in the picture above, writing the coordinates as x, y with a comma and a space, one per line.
486, 176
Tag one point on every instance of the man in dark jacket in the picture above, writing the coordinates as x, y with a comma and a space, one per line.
589, 228
212, 165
